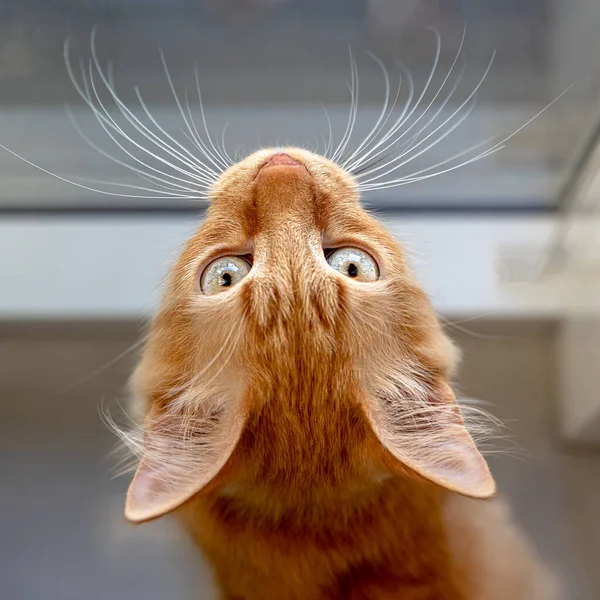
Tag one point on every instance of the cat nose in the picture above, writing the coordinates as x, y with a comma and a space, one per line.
281, 159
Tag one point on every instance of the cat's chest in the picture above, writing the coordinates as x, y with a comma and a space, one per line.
377, 545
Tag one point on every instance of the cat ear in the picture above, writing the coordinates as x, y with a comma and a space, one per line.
429, 436
181, 454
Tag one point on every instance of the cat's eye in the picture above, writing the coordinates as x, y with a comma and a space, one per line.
223, 273
354, 263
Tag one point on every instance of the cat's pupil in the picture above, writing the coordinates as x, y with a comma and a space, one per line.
352, 270
226, 277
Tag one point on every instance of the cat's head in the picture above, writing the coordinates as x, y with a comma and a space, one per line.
291, 322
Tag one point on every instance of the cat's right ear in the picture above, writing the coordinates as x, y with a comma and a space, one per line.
181, 454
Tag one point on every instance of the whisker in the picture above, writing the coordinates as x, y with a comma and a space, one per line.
428, 147
198, 166
372, 183
105, 120
164, 184
239, 152
141, 128
221, 158
406, 180
164, 196
416, 144
355, 111
329, 145
495, 148
373, 151
352, 113
412, 142
223, 145
432, 101
370, 164
471, 97
200, 143
107, 365
449, 159
375, 128
404, 117
178, 103
316, 144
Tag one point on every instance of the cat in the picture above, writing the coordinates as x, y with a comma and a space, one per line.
297, 411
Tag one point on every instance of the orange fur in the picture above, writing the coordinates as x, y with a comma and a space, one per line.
301, 423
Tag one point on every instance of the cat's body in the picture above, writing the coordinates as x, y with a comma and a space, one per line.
405, 543
386, 542
301, 423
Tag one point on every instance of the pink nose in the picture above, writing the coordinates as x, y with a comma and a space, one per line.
281, 159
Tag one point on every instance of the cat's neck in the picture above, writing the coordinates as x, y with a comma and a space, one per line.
395, 529
304, 488
298, 461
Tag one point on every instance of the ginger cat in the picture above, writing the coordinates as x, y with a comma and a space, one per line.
298, 414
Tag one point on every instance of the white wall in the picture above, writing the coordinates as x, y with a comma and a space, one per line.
112, 267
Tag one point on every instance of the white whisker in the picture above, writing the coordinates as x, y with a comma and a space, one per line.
464, 103
226, 164
165, 184
198, 166
197, 138
239, 152
141, 128
412, 141
383, 113
179, 106
107, 364
105, 120
408, 179
442, 85
223, 145
339, 151
329, 145
373, 152
405, 116
164, 196
492, 150
412, 157
451, 158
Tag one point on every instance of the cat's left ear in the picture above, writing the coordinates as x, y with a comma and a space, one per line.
429, 436
180, 455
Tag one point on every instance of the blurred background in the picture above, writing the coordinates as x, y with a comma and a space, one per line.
506, 246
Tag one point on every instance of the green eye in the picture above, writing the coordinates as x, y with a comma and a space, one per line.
354, 263
223, 273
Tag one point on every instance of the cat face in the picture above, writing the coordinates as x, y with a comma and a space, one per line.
294, 347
